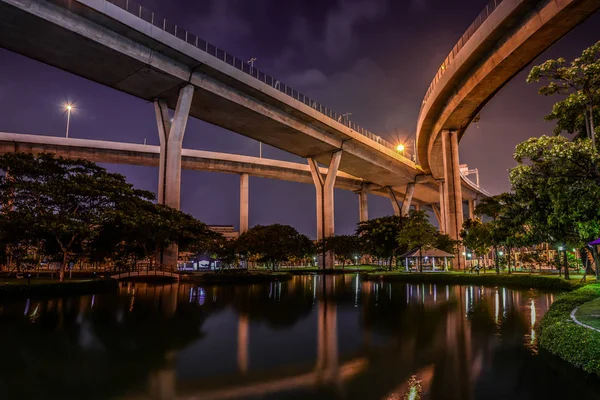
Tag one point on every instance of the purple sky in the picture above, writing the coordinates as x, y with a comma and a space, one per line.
373, 58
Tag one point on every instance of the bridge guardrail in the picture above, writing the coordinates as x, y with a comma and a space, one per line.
175, 30
481, 18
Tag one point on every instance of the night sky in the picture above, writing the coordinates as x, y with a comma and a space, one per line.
373, 58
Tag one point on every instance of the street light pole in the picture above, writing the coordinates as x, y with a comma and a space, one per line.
260, 149
69, 108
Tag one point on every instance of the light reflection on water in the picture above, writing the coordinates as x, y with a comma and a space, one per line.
312, 337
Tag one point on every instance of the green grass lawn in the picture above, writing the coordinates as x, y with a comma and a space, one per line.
589, 313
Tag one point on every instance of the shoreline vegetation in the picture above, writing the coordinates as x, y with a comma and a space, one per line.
562, 337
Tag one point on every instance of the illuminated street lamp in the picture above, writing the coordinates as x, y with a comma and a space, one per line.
400, 148
501, 253
68, 108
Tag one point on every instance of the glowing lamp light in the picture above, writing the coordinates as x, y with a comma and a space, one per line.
501, 253
400, 148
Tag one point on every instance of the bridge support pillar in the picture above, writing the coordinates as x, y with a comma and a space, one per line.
170, 134
394, 201
244, 200
438, 216
452, 194
410, 191
363, 206
325, 203
471, 208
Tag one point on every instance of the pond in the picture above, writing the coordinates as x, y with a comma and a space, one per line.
322, 337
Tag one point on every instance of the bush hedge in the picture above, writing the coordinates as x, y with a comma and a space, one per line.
561, 336
57, 288
520, 280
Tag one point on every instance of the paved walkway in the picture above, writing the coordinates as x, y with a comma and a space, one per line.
581, 323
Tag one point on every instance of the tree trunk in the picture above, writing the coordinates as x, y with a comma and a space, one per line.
61, 274
497, 260
566, 264
592, 129
420, 259
508, 250
596, 257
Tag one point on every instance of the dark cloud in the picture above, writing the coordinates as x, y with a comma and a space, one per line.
373, 58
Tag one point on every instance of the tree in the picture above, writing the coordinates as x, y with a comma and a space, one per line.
417, 233
274, 244
378, 237
139, 229
344, 247
70, 200
476, 236
504, 228
579, 112
557, 184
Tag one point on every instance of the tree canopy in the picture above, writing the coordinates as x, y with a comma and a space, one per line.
71, 208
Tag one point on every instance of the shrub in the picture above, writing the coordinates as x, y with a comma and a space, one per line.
562, 337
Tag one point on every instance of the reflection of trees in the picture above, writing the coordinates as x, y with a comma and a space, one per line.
65, 349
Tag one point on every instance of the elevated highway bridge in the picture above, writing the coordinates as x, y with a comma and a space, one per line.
127, 47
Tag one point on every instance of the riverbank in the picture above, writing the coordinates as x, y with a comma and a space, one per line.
21, 288
459, 278
236, 277
563, 337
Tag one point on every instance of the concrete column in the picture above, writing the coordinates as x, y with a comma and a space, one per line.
394, 201
410, 191
438, 216
471, 208
452, 186
244, 178
417, 207
325, 202
171, 141
442, 209
363, 206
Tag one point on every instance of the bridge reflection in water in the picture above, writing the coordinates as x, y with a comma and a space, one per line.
312, 337
446, 367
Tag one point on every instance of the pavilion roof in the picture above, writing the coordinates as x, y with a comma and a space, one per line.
431, 252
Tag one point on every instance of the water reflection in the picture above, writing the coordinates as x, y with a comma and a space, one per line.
313, 337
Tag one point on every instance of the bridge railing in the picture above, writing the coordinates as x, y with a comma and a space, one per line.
481, 18
175, 30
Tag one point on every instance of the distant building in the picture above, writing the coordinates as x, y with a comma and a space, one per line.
225, 230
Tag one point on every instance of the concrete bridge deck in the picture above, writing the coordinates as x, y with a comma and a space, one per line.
506, 37
148, 155
107, 44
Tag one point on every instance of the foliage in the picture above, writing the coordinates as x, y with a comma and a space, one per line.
556, 184
65, 209
445, 243
344, 247
561, 336
378, 237
274, 244
417, 233
579, 81
476, 236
